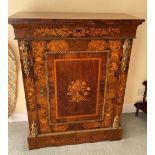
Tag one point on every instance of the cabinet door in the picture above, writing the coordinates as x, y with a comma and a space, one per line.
76, 85
75, 89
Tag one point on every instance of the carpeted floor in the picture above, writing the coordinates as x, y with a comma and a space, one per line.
133, 142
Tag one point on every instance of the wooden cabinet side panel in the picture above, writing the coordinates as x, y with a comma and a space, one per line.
38, 50
29, 86
123, 78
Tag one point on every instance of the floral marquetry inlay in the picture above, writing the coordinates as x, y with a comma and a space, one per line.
78, 91
75, 31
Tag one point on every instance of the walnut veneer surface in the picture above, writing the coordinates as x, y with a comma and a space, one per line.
74, 72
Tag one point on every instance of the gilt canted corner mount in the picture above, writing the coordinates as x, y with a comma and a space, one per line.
74, 69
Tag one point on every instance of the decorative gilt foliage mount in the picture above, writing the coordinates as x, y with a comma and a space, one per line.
116, 122
24, 48
34, 129
126, 47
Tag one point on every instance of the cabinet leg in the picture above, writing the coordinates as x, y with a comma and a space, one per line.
137, 111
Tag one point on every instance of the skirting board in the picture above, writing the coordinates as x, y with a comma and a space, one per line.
19, 117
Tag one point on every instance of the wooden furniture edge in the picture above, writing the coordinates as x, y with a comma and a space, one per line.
74, 137
48, 17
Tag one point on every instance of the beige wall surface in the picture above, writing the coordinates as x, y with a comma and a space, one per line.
137, 70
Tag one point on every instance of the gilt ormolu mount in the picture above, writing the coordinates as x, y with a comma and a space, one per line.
74, 71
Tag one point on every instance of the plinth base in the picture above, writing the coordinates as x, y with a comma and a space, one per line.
74, 137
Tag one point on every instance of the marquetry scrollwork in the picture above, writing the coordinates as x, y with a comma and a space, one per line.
116, 122
78, 91
24, 48
34, 129
75, 31
91, 125
126, 47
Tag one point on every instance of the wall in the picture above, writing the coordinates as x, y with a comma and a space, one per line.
137, 70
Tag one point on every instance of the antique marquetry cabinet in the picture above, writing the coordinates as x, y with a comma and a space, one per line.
74, 69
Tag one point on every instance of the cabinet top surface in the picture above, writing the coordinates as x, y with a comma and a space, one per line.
89, 16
